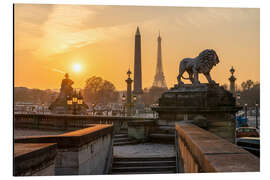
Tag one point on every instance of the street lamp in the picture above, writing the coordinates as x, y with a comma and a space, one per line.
134, 103
256, 106
69, 100
238, 98
74, 100
134, 98
123, 102
43, 107
93, 107
80, 99
123, 98
246, 111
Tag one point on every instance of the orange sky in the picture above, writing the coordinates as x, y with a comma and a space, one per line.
50, 39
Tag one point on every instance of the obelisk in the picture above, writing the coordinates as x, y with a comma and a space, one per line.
137, 64
137, 90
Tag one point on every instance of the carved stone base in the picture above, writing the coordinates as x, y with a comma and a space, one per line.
209, 106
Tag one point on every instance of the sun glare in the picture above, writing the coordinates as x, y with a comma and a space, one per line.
77, 67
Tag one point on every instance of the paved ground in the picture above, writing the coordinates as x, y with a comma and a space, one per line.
144, 150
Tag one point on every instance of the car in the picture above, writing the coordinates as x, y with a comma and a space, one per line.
247, 132
251, 144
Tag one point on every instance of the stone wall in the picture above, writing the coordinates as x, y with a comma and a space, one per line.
81, 152
199, 150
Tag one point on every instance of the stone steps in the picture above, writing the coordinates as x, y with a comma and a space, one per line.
128, 142
153, 172
123, 139
120, 135
144, 165
144, 159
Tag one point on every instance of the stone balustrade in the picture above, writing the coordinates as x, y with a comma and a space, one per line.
81, 152
199, 150
63, 122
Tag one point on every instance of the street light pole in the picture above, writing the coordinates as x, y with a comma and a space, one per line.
246, 111
123, 103
256, 106
74, 102
43, 108
238, 99
128, 102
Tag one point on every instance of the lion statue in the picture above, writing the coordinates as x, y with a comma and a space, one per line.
200, 64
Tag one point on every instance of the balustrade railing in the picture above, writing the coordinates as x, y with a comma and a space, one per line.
57, 121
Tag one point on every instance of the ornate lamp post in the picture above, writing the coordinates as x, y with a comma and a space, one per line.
232, 82
128, 103
130, 99
74, 100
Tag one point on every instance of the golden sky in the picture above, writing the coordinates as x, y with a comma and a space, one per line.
50, 39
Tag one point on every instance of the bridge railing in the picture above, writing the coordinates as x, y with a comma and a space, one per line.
199, 150
57, 121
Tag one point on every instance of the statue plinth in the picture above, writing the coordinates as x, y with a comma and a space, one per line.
207, 105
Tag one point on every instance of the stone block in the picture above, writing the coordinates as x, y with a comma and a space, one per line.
34, 159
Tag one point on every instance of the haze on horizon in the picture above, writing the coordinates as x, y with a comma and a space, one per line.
51, 39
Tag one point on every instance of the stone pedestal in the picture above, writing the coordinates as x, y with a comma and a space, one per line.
211, 107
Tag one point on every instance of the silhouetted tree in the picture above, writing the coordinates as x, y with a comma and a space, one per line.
250, 93
101, 91
247, 85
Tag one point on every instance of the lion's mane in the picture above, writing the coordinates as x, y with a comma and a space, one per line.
206, 59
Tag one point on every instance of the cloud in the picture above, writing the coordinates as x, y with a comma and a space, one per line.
54, 29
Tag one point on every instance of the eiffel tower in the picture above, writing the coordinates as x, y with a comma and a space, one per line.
159, 80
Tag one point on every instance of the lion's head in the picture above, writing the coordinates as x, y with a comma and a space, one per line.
209, 58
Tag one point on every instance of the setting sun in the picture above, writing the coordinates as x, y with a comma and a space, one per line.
77, 67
